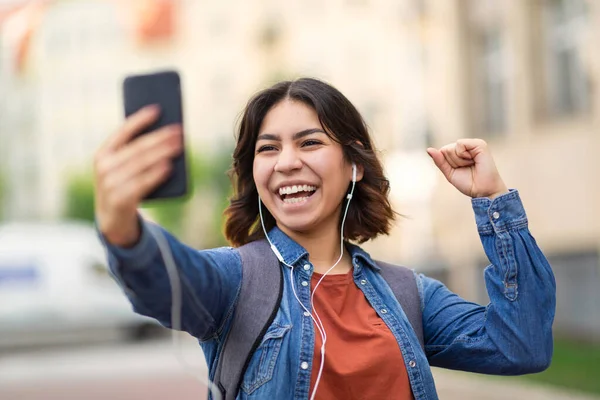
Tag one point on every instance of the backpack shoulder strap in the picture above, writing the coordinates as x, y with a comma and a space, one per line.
255, 310
404, 285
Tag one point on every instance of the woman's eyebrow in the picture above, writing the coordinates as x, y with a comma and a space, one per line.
296, 136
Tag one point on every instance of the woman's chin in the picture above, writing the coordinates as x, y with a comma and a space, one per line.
293, 226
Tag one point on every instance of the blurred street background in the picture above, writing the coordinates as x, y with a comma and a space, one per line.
521, 74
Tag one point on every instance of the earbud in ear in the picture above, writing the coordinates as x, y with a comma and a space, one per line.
353, 173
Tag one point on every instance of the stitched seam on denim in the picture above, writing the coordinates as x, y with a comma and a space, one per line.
436, 346
512, 280
270, 353
489, 229
506, 256
414, 374
499, 246
307, 345
513, 225
393, 324
466, 339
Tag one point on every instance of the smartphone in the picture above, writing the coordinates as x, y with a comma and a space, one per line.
162, 88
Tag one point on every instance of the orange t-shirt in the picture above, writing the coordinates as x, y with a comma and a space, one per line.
362, 357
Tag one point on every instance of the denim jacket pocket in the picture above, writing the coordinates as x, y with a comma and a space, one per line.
262, 364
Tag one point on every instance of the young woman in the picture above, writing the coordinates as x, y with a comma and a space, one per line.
302, 148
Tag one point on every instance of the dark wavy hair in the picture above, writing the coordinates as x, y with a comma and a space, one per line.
370, 212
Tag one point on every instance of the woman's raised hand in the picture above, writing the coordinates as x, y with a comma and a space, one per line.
126, 169
469, 166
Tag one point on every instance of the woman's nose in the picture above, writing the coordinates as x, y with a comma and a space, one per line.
287, 161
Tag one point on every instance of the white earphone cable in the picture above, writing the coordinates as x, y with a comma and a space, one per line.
280, 258
177, 296
318, 380
317, 320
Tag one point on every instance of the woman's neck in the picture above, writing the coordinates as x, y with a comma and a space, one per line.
323, 248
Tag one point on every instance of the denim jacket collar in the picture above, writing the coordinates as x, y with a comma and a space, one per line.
292, 252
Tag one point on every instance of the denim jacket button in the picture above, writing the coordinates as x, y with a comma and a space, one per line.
496, 215
306, 314
304, 283
306, 267
363, 281
304, 365
412, 363
383, 311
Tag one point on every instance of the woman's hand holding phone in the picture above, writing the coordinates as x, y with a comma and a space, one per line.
127, 168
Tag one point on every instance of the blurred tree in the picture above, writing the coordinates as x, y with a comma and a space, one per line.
80, 197
2, 195
208, 180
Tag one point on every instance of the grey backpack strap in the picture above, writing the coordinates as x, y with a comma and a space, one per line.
256, 307
404, 285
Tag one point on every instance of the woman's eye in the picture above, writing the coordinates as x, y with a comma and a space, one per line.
265, 148
310, 142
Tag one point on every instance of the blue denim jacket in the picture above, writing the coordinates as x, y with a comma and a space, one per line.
511, 335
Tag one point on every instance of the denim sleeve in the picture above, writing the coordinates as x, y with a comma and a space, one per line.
210, 281
513, 334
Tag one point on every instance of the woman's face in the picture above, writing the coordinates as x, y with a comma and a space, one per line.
300, 173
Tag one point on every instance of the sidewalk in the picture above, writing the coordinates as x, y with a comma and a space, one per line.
453, 385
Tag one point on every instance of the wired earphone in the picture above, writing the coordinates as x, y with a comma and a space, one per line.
176, 294
317, 320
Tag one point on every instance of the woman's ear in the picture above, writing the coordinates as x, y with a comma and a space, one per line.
357, 172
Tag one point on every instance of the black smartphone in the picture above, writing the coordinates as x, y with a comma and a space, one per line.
162, 88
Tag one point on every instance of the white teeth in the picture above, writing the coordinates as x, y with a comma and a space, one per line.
296, 189
295, 200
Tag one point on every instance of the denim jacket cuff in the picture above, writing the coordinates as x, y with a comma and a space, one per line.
137, 256
504, 213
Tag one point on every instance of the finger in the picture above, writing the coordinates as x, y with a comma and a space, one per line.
440, 162
150, 179
140, 162
145, 147
462, 152
452, 156
471, 144
133, 125
136, 188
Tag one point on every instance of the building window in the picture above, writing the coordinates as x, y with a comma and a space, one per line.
493, 82
566, 83
577, 295
490, 82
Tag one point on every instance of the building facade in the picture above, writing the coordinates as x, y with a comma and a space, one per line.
520, 74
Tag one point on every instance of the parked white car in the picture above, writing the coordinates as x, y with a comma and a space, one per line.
55, 287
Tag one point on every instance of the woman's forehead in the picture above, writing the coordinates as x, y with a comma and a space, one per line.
289, 117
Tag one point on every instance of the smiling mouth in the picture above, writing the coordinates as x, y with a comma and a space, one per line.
296, 194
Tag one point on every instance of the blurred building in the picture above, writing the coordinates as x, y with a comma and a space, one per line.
62, 83
520, 74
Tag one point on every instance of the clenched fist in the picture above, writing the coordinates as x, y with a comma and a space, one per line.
469, 166
125, 170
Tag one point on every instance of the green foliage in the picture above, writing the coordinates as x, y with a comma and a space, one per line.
215, 182
574, 365
208, 179
169, 214
80, 197
2, 195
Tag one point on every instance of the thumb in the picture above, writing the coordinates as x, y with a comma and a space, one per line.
440, 161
